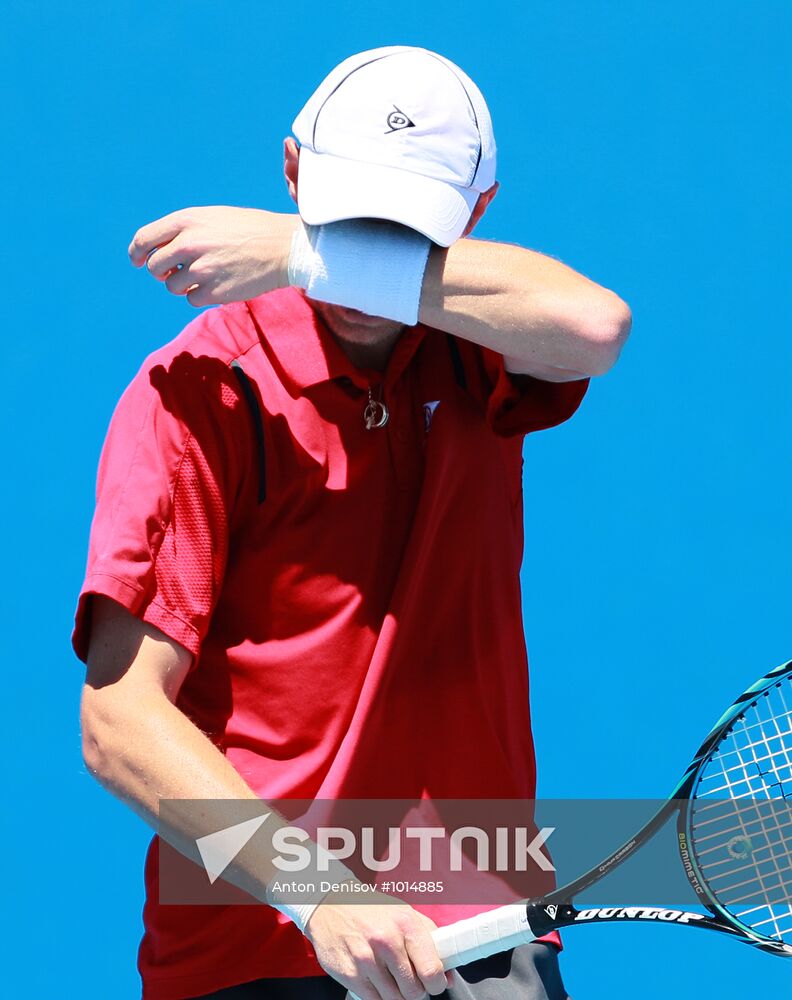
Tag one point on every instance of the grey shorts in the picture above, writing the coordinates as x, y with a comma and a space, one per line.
529, 972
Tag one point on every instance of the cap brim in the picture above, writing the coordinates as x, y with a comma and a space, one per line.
331, 188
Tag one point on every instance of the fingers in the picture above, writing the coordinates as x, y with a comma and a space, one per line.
181, 280
396, 979
412, 961
155, 234
184, 283
425, 962
173, 261
199, 296
380, 953
425, 958
179, 269
162, 260
388, 986
385, 974
197, 288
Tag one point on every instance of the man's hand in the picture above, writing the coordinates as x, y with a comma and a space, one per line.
379, 952
217, 254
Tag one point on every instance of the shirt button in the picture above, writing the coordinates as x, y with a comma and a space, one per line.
401, 433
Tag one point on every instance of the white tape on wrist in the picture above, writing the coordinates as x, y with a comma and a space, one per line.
298, 913
302, 255
373, 266
323, 878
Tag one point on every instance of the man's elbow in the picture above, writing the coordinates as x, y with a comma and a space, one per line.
94, 757
97, 731
606, 335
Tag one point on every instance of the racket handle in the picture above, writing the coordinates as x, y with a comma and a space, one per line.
483, 935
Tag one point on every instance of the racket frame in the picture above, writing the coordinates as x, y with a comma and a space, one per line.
507, 926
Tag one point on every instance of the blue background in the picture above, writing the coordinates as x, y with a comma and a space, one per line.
647, 145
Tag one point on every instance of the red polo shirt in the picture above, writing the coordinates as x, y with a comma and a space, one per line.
351, 597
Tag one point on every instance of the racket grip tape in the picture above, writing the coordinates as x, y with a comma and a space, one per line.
483, 935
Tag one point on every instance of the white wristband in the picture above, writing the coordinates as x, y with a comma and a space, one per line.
302, 255
321, 882
373, 266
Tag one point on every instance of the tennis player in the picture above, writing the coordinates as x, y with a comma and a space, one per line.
303, 575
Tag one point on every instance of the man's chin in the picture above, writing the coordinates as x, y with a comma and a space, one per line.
346, 321
359, 318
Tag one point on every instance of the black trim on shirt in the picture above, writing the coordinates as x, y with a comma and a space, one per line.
258, 425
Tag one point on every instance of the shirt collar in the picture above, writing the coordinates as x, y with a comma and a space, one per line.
305, 352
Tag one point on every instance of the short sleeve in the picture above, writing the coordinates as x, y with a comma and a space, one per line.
168, 476
519, 404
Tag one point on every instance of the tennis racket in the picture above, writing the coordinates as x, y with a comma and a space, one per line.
734, 837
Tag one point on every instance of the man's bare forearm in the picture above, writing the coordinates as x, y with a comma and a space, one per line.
542, 316
152, 751
140, 745
147, 750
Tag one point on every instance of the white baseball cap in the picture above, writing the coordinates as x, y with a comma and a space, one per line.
396, 133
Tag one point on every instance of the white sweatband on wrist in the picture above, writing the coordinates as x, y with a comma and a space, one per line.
332, 873
374, 266
302, 255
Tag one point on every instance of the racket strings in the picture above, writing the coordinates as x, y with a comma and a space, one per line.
774, 770
746, 827
742, 816
730, 873
778, 757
